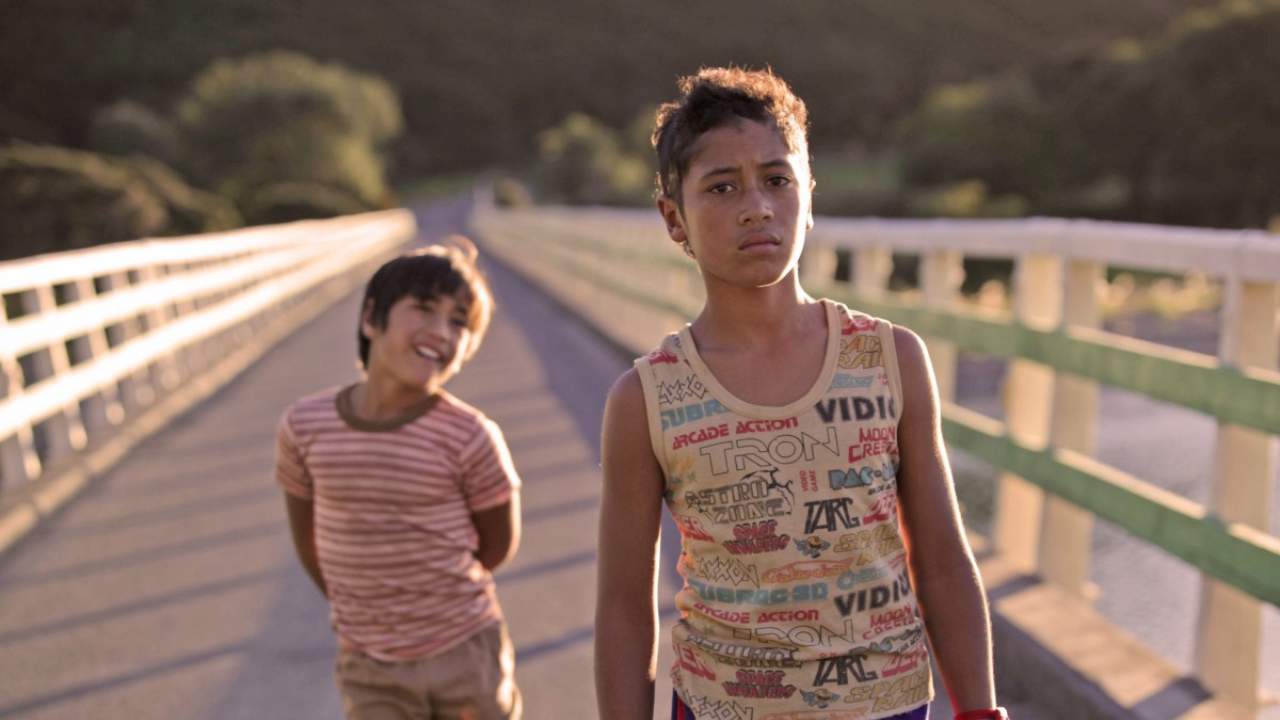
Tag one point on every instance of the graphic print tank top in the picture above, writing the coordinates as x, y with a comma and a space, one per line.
796, 601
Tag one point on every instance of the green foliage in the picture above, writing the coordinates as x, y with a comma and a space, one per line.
509, 192
1177, 129
288, 201
965, 199
480, 79
581, 162
971, 131
129, 128
282, 119
1211, 108
1151, 110
191, 211
54, 199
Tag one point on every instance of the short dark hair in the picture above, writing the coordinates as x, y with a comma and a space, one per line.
720, 96
426, 274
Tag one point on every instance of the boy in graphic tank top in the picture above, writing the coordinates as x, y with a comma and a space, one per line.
797, 446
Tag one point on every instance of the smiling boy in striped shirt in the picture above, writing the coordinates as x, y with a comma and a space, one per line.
402, 499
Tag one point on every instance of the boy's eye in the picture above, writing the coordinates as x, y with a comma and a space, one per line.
779, 181
720, 188
458, 321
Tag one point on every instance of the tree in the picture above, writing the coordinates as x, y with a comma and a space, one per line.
581, 162
281, 117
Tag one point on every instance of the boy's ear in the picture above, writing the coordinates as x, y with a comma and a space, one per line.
670, 212
367, 328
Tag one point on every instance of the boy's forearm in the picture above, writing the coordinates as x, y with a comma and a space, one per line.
301, 514
311, 564
956, 616
626, 661
492, 555
498, 532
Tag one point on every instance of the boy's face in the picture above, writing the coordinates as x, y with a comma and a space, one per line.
422, 344
746, 205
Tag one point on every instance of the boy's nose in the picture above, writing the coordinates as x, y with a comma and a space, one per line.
755, 209
438, 327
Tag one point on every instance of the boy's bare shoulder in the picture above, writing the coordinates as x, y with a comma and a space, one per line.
908, 344
627, 393
913, 362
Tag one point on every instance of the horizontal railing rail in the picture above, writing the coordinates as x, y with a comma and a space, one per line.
1052, 339
90, 338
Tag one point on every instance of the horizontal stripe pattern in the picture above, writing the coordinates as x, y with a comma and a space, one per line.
393, 525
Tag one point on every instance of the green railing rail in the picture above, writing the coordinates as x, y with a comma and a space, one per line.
626, 254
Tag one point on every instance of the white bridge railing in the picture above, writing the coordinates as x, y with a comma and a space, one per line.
91, 339
1051, 484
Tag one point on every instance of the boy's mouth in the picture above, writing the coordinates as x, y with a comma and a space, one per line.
759, 239
428, 353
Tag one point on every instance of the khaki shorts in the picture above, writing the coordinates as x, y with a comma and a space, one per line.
472, 681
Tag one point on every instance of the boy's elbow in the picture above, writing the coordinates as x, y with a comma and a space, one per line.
493, 557
499, 533
496, 548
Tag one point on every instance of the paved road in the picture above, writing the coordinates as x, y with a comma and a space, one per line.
169, 590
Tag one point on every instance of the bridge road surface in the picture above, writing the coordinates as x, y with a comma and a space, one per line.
170, 588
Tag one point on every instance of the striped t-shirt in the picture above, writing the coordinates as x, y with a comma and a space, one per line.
393, 504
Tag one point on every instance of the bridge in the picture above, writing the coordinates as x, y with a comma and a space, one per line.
145, 565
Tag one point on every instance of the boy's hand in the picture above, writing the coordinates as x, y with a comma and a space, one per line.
302, 527
499, 531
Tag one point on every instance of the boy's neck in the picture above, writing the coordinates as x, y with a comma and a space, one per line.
746, 319
380, 399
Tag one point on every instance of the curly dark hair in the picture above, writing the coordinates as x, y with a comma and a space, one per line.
720, 96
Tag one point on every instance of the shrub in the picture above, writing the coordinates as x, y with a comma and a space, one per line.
581, 162
54, 199
511, 193
190, 210
288, 201
128, 128
281, 118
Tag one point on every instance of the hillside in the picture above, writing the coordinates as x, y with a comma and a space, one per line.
479, 78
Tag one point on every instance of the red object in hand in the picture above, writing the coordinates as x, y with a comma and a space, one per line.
996, 713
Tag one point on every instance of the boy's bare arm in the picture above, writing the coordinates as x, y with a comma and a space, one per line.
499, 531
943, 570
630, 511
302, 527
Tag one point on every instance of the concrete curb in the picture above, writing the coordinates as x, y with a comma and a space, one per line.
35, 505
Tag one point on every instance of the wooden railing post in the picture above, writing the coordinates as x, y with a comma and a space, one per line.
102, 411
1067, 536
135, 391
1028, 400
165, 373
19, 461
1229, 632
64, 431
817, 265
941, 274
871, 269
